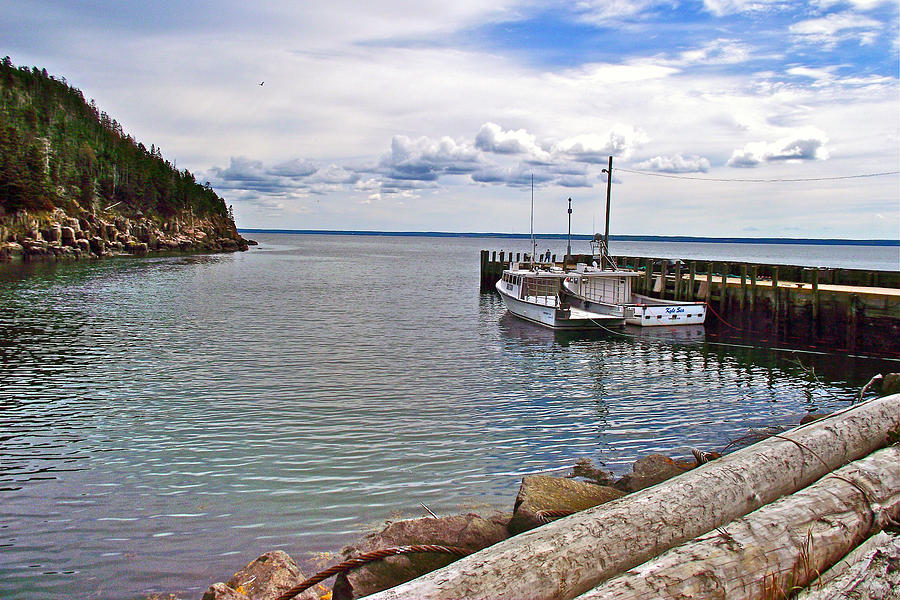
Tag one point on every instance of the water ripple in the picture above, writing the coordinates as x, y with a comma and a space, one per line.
164, 421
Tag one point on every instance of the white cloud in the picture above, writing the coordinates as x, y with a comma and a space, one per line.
835, 28
730, 7
716, 52
675, 164
621, 141
858, 4
803, 145
425, 159
492, 138
603, 11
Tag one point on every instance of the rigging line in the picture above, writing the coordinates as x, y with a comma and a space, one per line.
668, 176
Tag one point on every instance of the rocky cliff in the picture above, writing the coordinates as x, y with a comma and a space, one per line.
58, 235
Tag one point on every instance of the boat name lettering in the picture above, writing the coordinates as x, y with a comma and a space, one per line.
674, 309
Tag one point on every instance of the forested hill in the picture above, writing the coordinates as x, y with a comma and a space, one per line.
60, 153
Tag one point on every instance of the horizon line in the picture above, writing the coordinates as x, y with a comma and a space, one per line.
582, 236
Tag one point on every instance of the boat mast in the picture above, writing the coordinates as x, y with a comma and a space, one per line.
533, 243
604, 254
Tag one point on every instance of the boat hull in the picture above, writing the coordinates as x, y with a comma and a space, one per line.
651, 312
554, 317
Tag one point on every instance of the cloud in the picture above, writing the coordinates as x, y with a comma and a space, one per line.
600, 12
835, 28
297, 167
675, 164
425, 159
729, 7
621, 141
492, 138
808, 145
715, 52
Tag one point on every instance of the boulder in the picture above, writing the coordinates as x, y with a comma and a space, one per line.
542, 492
269, 576
649, 471
73, 223
110, 231
11, 249
83, 245
813, 416
220, 591
890, 384
97, 245
67, 236
52, 233
471, 532
584, 468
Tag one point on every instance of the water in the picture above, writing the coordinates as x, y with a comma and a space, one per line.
164, 421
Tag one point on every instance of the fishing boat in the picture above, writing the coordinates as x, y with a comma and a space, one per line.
603, 287
534, 293
609, 291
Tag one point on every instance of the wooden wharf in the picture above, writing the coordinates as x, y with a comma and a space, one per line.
826, 309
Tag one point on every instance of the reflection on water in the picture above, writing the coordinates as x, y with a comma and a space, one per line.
164, 421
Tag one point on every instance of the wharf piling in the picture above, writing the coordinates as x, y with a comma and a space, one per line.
855, 310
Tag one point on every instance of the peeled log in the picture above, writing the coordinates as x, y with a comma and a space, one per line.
776, 549
572, 555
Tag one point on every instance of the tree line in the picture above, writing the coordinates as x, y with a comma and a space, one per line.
59, 150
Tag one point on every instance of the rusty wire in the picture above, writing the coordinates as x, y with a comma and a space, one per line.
545, 516
362, 559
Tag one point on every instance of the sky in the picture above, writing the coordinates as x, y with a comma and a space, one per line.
734, 118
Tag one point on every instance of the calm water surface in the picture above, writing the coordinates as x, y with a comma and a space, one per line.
164, 421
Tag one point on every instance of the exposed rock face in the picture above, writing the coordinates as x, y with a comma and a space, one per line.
466, 531
266, 578
115, 234
220, 591
541, 492
648, 471
890, 384
67, 236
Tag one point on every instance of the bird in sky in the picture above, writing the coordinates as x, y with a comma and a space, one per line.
262, 83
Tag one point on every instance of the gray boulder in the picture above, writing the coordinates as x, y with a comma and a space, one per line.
67, 236
220, 591
542, 493
890, 384
471, 532
266, 578
649, 471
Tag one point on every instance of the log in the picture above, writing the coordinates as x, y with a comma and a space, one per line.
777, 550
869, 572
573, 555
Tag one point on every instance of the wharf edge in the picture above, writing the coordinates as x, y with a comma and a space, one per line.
824, 309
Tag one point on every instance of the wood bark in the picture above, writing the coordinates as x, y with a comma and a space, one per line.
777, 550
572, 555
871, 572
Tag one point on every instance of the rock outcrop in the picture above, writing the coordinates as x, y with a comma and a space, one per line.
61, 236
543, 493
470, 532
266, 578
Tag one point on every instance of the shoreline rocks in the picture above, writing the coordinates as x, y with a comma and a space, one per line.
63, 237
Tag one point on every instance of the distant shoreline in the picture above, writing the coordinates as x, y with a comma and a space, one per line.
562, 236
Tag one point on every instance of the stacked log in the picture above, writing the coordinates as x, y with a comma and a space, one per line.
573, 555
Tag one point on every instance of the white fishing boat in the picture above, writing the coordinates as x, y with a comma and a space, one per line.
534, 294
603, 287
594, 289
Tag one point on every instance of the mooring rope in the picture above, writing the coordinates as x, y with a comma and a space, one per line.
709, 306
368, 557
